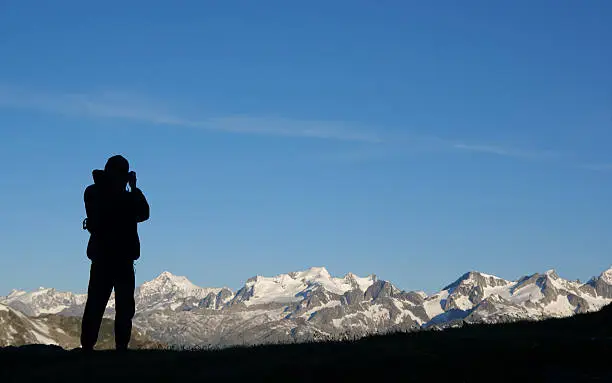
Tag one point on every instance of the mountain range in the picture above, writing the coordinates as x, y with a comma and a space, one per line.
303, 306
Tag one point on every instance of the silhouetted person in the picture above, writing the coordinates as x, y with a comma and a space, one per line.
113, 214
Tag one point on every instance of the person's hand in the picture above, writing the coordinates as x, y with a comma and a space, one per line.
132, 180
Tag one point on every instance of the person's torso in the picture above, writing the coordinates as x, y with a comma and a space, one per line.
116, 230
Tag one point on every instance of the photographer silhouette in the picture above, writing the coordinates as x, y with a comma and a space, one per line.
113, 214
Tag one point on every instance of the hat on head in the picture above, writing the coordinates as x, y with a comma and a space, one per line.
117, 164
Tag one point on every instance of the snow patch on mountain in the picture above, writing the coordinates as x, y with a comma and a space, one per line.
559, 307
522, 294
34, 330
434, 305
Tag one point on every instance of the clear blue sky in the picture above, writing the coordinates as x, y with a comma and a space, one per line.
414, 140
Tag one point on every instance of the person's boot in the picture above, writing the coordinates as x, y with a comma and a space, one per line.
83, 350
121, 349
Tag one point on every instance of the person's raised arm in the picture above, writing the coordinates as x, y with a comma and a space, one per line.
139, 201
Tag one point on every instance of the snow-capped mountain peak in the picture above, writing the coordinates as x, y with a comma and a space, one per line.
290, 287
169, 280
315, 273
165, 275
476, 278
360, 283
552, 273
606, 276
168, 286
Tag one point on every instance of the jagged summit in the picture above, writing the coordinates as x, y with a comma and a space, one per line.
552, 273
310, 273
317, 271
167, 276
606, 276
167, 288
478, 278
289, 287
169, 281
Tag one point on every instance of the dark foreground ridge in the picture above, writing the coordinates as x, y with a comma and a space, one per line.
557, 350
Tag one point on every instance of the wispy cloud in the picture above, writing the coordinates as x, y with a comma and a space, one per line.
119, 105
507, 152
122, 106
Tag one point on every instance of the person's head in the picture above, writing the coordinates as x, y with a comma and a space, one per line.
116, 171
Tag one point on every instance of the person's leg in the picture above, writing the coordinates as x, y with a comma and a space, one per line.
124, 304
98, 292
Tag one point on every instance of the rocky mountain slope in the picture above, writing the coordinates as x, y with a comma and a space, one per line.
313, 305
17, 329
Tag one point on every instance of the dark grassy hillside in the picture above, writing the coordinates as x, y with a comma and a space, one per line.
560, 350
